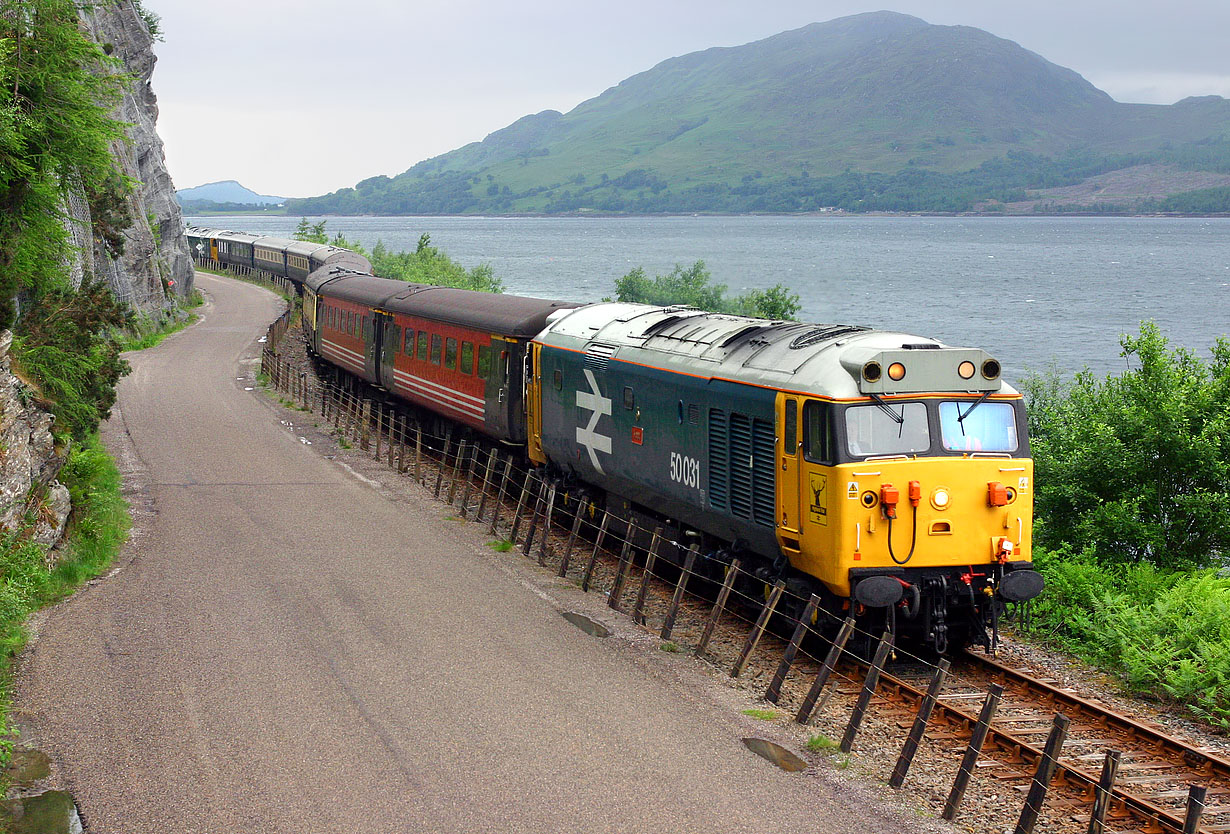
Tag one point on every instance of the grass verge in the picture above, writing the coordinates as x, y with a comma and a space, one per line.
146, 332
97, 529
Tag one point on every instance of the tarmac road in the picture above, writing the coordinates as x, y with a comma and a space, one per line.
287, 649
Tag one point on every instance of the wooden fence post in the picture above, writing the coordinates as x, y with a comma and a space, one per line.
539, 500
465, 493
418, 451
638, 609
499, 499
525, 494
869, 688
379, 427
1195, 808
1102, 794
977, 739
1046, 770
572, 536
546, 525
689, 561
482, 501
728, 584
925, 708
365, 441
459, 464
762, 622
617, 587
593, 558
773, 693
443, 461
826, 670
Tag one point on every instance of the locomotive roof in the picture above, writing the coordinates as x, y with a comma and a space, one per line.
824, 359
509, 315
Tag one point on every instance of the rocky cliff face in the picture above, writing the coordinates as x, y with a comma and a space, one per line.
155, 266
30, 460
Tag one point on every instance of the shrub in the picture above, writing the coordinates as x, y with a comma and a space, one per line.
1136, 467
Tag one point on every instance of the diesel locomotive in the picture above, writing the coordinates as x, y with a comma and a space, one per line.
889, 474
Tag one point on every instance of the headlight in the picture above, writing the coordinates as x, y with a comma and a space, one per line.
940, 498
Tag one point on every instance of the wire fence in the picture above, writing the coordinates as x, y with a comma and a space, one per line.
756, 627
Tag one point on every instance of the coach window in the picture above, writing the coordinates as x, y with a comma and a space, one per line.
818, 441
422, 346
484, 361
408, 347
436, 344
467, 357
450, 354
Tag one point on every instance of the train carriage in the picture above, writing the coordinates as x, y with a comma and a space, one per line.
235, 248
455, 352
270, 254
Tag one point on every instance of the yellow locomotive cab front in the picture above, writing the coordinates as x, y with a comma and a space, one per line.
916, 505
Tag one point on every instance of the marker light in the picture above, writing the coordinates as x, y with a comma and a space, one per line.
896, 372
940, 498
990, 369
871, 371
966, 370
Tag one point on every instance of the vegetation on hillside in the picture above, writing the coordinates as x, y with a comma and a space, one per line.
425, 265
1133, 477
643, 191
694, 287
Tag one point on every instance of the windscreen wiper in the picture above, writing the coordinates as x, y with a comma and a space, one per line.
899, 419
970, 410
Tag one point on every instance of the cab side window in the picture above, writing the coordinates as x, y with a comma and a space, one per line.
819, 444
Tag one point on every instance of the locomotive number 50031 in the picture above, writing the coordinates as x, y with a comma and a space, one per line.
685, 470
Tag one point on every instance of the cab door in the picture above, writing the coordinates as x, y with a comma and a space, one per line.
788, 464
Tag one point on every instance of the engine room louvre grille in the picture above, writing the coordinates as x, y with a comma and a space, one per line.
741, 463
764, 497
719, 465
598, 356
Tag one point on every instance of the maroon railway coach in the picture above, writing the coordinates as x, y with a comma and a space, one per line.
457, 353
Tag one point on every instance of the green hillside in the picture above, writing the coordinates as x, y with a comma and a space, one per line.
877, 110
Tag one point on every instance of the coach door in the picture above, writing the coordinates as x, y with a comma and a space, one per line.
390, 343
788, 465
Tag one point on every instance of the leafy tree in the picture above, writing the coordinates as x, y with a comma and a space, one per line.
1136, 467
425, 265
692, 286
56, 91
65, 344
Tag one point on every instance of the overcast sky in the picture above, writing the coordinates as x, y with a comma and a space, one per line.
255, 90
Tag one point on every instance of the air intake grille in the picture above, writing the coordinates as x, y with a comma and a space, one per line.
719, 460
741, 454
598, 356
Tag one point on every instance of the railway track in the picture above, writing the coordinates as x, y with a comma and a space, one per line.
1155, 773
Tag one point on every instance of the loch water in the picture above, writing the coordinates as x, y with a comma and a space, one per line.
1035, 292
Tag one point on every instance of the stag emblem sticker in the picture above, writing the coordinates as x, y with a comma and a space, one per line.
598, 406
819, 489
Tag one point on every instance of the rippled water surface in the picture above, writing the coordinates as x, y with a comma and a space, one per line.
1032, 291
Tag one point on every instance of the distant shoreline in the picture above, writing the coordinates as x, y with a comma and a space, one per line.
833, 214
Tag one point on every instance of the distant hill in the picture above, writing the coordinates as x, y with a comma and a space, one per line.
874, 111
226, 191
